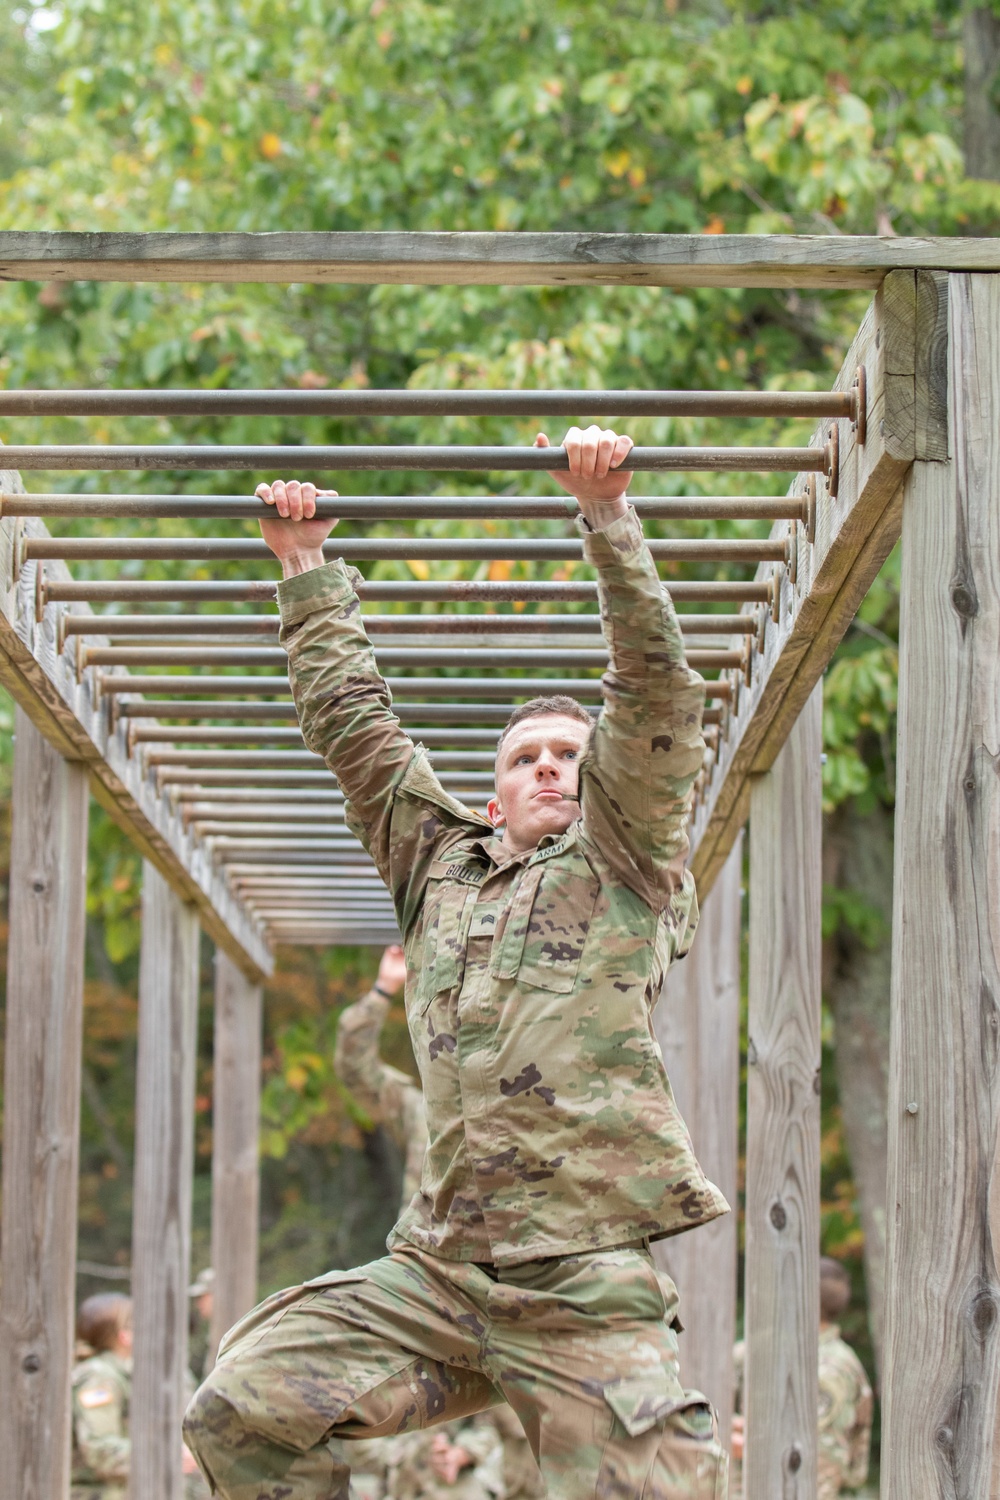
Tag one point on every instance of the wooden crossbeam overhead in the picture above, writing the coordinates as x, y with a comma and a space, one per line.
442, 259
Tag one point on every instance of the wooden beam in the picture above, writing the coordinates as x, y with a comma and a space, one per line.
556, 259
855, 532
941, 1423
80, 724
698, 1027
164, 1159
235, 1146
781, 1292
41, 1136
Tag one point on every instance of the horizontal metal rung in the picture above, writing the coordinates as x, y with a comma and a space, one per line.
407, 403
414, 687
134, 457
453, 591
117, 626
747, 550
417, 657
400, 508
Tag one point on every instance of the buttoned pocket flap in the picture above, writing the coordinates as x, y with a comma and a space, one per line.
644, 1401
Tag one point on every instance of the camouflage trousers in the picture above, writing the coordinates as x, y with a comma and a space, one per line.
581, 1346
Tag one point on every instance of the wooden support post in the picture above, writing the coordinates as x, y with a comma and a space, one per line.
48, 887
783, 1130
941, 1421
698, 1028
164, 1151
235, 1146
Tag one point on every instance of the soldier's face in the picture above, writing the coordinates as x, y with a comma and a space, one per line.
538, 779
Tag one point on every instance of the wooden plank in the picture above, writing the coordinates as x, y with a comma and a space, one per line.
698, 1027
41, 1137
235, 1146
941, 1428
164, 1163
485, 259
931, 384
781, 1293
854, 534
80, 725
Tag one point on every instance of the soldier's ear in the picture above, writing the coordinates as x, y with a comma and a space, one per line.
495, 813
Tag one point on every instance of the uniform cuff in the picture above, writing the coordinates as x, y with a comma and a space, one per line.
320, 588
614, 542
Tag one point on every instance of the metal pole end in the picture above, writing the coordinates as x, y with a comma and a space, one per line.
859, 393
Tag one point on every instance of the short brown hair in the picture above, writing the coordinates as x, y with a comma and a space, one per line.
101, 1319
834, 1288
545, 707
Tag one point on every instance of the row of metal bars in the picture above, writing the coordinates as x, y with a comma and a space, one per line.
214, 725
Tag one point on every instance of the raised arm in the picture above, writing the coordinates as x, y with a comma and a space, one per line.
344, 705
647, 746
376, 1086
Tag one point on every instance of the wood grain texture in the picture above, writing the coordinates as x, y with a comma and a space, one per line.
941, 1432
485, 259
698, 1027
931, 382
235, 1146
41, 1136
164, 1161
78, 723
781, 1291
854, 534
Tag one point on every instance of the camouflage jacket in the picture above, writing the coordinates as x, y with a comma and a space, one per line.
387, 1096
845, 1414
102, 1450
411, 1474
531, 977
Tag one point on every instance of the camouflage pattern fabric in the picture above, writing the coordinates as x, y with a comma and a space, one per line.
102, 1450
522, 1479
387, 1096
845, 1416
531, 978
581, 1346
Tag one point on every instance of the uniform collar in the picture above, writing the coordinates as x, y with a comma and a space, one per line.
548, 845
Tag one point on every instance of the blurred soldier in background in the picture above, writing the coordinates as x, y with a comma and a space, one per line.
200, 1292
845, 1398
460, 1461
390, 1098
101, 1392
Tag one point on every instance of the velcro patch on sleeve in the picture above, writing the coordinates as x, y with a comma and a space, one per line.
92, 1396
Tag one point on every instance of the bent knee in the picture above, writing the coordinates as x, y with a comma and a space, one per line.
211, 1422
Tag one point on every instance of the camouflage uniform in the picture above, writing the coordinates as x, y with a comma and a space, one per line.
845, 1416
556, 1150
387, 1096
102, 1450
521, 1477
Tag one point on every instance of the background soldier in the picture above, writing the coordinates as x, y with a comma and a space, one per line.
388, 1097
845, 1398
101, 1391
201, 1293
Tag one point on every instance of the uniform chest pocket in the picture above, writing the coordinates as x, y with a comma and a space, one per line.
448, 907
547, 924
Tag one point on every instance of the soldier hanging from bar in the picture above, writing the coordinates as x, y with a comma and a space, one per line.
536, 942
